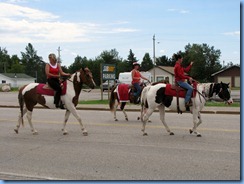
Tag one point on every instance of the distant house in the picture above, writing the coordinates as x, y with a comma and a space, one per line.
16, 79
161, 72
228, 75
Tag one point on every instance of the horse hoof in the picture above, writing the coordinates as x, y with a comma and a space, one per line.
199, 135
16, 131
85, 133
116, 120
190, 131
171, 133
149, 121
138, 118
35, 133
65, 133
126, 119
145, 134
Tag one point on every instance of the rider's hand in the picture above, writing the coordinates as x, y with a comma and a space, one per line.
192, 63
190, 79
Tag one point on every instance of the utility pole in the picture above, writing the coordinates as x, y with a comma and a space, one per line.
154, 59
59, 50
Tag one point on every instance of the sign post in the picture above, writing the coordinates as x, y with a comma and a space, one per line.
108, 72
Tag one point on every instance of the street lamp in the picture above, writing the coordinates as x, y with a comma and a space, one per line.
154, 61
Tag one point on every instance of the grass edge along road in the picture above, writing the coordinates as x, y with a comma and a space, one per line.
208, 104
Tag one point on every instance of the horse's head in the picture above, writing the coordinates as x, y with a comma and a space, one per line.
223, 91
86, 77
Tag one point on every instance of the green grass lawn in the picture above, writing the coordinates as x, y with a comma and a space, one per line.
209, 104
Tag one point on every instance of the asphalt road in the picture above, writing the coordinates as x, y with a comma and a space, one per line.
117, 150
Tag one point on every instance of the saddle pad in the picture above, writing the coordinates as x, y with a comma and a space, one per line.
182, 93
123, 92
41, 89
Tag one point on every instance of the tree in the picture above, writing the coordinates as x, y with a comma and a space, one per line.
130, 60
110, 57
76, 65
17, 66
5, 60
147, 63
34, 66
164, 61
205, 58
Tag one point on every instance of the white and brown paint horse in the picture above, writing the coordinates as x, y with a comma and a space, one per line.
153, 97
115, 100
29, 97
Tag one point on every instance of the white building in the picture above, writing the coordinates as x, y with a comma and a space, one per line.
16, 79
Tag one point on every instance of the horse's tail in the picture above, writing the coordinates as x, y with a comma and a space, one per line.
21, 104
112, 99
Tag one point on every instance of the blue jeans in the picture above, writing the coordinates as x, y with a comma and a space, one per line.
138, 89
189, 89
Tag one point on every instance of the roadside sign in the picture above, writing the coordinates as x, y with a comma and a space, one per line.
108, 72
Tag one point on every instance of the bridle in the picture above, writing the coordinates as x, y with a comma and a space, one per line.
81, 83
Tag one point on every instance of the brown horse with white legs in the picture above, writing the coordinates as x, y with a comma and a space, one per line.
35, 93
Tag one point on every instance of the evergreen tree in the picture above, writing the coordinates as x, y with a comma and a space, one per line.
34, 66
147, 63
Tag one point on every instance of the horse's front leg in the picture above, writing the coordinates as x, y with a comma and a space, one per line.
162, 118
74, 112
66, 117
196, 116
29, 117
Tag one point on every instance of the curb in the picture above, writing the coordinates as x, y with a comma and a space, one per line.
129, 110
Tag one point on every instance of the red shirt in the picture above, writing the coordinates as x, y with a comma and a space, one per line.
179, 72
53, 70
137, 74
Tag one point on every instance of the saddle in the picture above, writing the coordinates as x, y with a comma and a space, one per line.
45, 89
178, 92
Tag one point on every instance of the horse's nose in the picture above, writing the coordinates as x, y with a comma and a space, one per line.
230, 101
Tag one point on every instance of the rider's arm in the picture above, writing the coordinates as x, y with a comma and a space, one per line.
180, 73
61, 71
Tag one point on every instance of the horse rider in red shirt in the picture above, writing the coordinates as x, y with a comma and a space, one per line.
136, 78
180, 78
53, 71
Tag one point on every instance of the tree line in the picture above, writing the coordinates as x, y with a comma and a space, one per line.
206, 62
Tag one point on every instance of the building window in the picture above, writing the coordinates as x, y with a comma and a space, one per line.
159, 78
3, 81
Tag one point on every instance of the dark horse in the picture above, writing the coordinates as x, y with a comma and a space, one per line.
34, 93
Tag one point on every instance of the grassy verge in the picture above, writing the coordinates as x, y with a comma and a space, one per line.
209, 104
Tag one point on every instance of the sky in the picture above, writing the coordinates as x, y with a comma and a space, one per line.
87, 28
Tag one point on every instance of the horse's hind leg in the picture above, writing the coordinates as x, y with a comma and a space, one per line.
145, 119
29, 117
66, 117
74, 112
162, 118
116, 104
122, 107
20, 120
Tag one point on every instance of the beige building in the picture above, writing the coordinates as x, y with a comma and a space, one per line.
161, 72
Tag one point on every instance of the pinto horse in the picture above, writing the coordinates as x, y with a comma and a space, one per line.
120, 95
34, 93
157, 96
